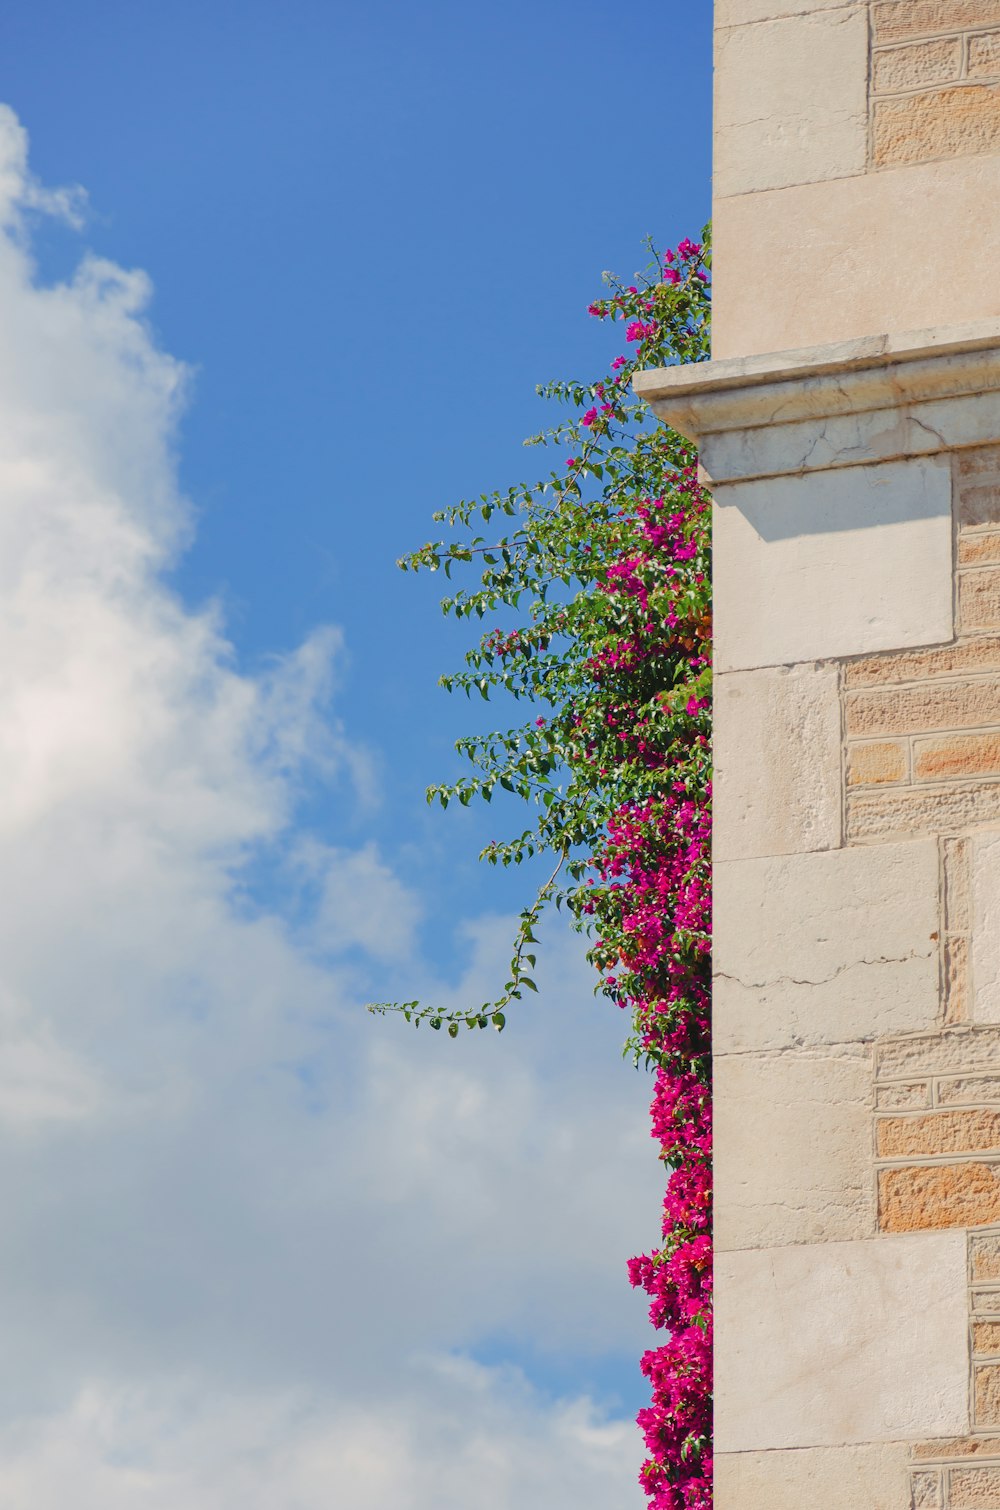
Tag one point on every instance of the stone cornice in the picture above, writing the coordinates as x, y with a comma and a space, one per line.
874, 399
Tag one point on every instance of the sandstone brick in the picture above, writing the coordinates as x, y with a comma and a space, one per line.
920, 810
923, 1198
986, 1302
973, 1131
978, 504
941, 1053
876, 764
978, 1488
956, 755
981, 1486
956, 979
978, 461
957, 885
910, 1097
898, 20
957, 1447
984, 1257
984, 56
979, 550
916, 128
979, 599
986, 1339
920, 710
977, 655
925, 1490
916, 65
965, 1090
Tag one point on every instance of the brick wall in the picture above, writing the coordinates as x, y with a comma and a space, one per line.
934, 86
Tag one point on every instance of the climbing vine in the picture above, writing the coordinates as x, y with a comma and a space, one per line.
592, 588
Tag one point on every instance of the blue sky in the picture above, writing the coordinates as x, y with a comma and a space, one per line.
364, 234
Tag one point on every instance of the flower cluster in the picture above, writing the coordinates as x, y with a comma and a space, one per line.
599, 597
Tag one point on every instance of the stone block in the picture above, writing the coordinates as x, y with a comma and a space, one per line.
979, 550
916, 64
986, 1339
777, 761
985, 868
926, 1490
743, 12
984, 1257
974, 1488
826, 948
891, 813
792, 1147
986, 1385
811, 68
806, 252
930, 1197
956, 855
966, 657
896, 20
873, 1344
940, 1132
984, 56
978, 503
872, 1477
903, 1097
986, 1302
837, 563
879, 763
950, 122
979, 599
919, 709
938, 1053
969, 1090
954, 755
978, 461
956, 1447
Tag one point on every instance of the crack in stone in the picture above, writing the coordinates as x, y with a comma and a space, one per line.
791, 980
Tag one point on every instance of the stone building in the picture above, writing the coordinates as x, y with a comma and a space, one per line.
850, 425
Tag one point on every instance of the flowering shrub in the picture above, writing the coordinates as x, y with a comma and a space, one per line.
598, 598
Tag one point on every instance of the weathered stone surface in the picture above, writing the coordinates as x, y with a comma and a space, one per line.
986, 1338
893, 812
984, 1257
953, 755
979, 600
916, 128
903, 1097
879, 763
743, 12
919, 709
986, 1302
969, 1090
979, 550
916, 64
978, 461
965, 657
811, 68
986, 927
957, 1447
984, 56
957, 857
873, 1343
792, 1161
938, 1053
777, 759
979, 502
943, 1132
836, 563
975, 1488
896, 20
817, 281
926, 1490
929, 1197
986, 1382
826, 948
872, 1477
957, 986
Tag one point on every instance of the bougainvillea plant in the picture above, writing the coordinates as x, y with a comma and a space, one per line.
593, 592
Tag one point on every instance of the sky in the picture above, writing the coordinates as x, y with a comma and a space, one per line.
275, 283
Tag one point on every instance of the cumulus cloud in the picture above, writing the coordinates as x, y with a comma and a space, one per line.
250, 1233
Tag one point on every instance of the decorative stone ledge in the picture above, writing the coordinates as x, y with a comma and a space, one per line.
880, 398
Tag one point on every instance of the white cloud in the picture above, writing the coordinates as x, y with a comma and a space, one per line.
218, 1169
